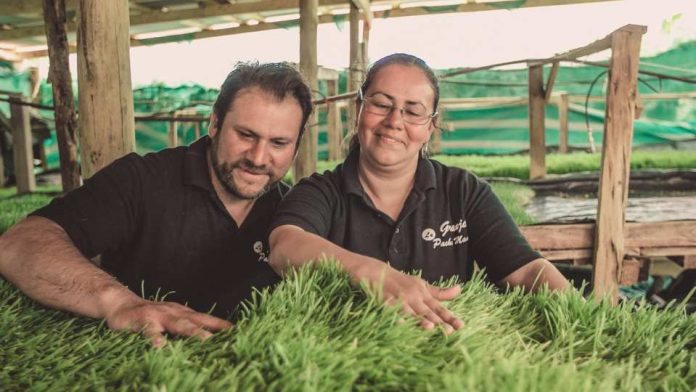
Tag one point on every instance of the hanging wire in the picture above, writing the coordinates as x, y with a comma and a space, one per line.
587, 117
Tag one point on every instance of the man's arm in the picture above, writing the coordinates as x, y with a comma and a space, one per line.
41, 260
536, 274
292, 247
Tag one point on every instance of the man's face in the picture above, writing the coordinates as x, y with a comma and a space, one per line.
255, 145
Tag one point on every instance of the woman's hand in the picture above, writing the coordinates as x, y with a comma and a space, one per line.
415, 296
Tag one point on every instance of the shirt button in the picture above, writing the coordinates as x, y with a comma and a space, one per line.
397, 230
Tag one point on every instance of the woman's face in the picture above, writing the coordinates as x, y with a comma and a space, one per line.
386, 139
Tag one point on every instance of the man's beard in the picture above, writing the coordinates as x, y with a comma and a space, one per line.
223, 171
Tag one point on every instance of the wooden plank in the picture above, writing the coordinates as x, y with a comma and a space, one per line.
106, 123
555, 237
305, 163
355, 75
568, 254
537, 143
614, 173
335, 128
563, 123
671, 236
63, 101
661, 234
22, 147
550, 81
667, 251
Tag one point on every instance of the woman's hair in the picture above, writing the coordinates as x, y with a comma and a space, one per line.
401, 59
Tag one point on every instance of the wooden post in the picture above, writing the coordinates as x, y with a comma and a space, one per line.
2, 164
106, 121
616, 155
335, 128
21, 146
537, 143
61, 81
173, 137
197, 130
354, 71
563, 123
306, 161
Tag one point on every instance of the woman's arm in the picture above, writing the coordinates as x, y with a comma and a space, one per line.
536, 274
293, 247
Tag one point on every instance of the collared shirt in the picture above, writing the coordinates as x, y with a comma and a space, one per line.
449, 220
161, 229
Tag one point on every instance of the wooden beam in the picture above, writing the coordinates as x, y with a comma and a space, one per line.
364, 6
158, 16
662, 238
537, 140
306, 161
63, 101
327, 18
106, 123
334, 125
616, 154
550, 81
563, 123
597, 46
22, 147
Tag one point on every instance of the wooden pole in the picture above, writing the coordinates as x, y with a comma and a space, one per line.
21, 147
306, 161
106, 123
173, 137
2, 163
354, 74
616, 156
563, 123
537, 143
335, 128
63, 101
197, 130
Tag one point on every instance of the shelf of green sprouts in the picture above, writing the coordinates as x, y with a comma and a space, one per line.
317, 332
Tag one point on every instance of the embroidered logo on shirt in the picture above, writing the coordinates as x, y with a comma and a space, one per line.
450, 234
258, 249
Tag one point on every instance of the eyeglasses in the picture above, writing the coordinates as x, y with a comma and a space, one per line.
380, 104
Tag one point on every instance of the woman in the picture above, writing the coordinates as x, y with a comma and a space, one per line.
388, 203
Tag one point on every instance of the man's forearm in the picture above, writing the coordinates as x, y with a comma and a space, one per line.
41, 260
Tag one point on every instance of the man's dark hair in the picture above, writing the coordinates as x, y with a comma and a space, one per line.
277, 79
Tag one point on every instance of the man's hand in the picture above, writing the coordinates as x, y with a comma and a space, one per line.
153, 319
416, 297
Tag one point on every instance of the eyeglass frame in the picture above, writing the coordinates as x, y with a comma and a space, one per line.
428, 117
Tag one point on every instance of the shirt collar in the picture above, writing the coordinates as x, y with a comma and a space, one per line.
196, 165
425, 174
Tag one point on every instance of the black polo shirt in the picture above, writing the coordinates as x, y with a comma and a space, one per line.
449, 219
161, 229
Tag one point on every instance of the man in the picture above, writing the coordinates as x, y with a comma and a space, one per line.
187, 224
